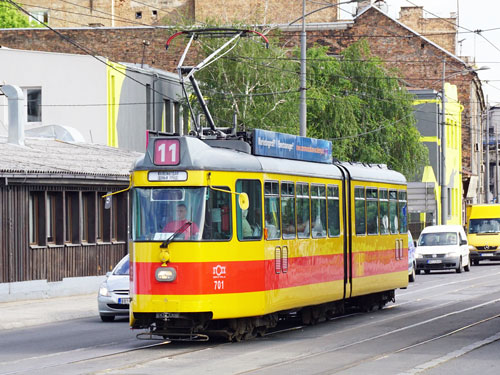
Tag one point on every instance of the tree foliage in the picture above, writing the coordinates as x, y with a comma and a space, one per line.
258, 84
10, 17
360, 106
352, 101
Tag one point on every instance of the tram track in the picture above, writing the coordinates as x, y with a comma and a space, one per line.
415, 345
181, 350
304, 357
40, 369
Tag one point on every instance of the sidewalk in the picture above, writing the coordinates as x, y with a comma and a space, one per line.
19, 314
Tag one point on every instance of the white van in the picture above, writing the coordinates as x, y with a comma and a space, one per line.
442, 247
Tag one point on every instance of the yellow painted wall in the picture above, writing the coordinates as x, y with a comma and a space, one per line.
454, 152
453, 158
115, 76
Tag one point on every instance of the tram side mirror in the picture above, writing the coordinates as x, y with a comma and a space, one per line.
243, 201
107, 202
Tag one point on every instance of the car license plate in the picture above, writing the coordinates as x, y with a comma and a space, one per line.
124, 301
487, 254
434, 261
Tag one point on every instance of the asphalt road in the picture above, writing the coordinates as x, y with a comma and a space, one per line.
443, 323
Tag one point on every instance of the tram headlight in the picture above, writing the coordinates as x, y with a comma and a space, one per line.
167, 274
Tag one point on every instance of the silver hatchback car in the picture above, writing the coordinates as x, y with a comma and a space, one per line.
113, 298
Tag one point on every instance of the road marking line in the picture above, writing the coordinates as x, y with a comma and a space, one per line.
452, 355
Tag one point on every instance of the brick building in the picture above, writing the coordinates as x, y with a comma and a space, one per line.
419, 52
120, 13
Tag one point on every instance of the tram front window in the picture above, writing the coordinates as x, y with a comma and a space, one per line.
159, 212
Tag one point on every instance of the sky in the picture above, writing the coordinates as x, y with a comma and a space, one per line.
472, 15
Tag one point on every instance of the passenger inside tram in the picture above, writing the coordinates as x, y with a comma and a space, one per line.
245, 225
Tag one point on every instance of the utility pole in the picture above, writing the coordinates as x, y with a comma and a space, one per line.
444, 186
496, 161
303, 53
487, 156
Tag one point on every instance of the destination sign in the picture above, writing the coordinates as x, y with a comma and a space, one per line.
288, 146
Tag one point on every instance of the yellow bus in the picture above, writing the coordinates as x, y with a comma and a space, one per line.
483, 232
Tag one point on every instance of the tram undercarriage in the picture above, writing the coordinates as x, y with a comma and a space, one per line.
201, 327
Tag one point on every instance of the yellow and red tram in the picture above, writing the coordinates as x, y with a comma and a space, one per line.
314, 238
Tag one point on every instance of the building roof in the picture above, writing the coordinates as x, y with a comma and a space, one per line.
51, 158
453, 56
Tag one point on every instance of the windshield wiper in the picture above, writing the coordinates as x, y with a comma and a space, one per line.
181, 230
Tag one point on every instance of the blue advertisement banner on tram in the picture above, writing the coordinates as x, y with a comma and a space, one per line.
289, 146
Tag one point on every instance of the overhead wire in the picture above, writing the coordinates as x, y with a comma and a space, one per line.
84, 49
93, 54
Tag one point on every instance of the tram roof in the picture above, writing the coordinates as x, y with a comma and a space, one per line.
195, 154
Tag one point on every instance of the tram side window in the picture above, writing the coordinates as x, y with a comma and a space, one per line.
249, 222
333, 211
217, 223
402, 212
303, 212
372, 210
360, 211
272, 210
393, 211
288, 209
384, 211
318, 211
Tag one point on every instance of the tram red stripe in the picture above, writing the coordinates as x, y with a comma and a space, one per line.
256, 276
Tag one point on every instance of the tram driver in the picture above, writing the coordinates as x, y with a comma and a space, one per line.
191, 232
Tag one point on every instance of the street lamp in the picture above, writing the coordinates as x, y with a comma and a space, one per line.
444, 185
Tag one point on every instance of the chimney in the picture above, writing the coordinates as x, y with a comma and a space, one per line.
15, 99
382, 5
362, 4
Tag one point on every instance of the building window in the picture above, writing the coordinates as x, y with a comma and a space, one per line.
39, 16
35, 201
138, 15
33, 104
148, 107
154, 13
88, 217
72, 208
50, 220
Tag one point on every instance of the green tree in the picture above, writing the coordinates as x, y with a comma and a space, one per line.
10, 17
260, 85
361, 107
354, 101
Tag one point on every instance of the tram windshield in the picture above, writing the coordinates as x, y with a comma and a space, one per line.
157, 213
